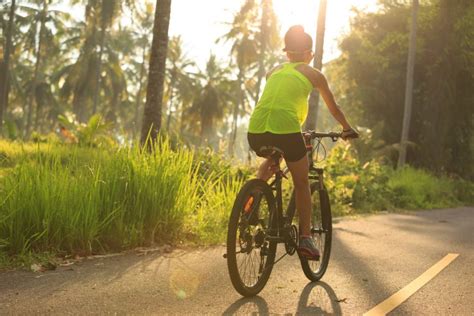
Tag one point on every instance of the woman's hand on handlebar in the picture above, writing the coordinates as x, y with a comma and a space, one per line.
349, 133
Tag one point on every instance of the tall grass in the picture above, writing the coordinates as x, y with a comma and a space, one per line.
75, 199
210, 221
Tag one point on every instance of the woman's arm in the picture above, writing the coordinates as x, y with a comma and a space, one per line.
319, 82
323, 88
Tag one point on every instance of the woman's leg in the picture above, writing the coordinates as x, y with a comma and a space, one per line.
299, 172
265, 170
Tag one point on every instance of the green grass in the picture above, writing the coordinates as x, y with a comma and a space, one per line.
83, 200
415, 189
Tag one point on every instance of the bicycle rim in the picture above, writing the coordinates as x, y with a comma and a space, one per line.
250, 256
321, 233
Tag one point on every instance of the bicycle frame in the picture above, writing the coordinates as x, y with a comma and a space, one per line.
275, 185
315, 174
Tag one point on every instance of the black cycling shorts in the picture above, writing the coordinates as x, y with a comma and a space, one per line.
292, 145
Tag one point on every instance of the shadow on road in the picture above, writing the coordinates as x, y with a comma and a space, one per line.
248, 306
317, 298
345, 230
314, 300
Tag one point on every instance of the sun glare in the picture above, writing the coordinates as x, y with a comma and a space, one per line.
213, 23
305, 12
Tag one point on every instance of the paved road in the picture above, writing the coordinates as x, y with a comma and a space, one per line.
373, 257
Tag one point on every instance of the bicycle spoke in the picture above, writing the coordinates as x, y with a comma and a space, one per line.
249, 221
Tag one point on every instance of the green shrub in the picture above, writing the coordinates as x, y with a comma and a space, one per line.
414, 188
356, 188
353, 186
464, 191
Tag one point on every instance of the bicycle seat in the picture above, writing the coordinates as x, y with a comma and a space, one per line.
270, 151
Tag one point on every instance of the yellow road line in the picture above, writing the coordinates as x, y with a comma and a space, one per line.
398, 298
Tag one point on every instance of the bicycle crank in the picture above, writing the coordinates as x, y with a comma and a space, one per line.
291, 243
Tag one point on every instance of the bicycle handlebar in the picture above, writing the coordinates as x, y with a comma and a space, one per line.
333, 135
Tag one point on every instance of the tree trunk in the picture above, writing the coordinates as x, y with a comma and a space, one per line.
156, 76
99, 66
235, 117
206, 128
38, 110
32, 98
112, 113
5, 76
318, 64
409, 87
139, 93
78, 104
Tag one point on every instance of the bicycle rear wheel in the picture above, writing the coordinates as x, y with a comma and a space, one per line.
250, 256
321, 231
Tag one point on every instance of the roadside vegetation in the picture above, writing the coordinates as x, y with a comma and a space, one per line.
67, 199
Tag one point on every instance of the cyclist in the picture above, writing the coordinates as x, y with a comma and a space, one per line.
277, 119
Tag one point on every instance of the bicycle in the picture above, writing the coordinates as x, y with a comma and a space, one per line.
257, 223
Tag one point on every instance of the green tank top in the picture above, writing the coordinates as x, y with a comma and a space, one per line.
283, 107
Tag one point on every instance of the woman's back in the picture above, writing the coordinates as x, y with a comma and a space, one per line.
283, 107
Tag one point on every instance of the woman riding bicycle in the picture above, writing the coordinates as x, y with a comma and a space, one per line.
277, 119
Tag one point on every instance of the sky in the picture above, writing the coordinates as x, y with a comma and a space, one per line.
200, 23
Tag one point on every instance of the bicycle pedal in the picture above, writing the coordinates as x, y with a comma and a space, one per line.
313, 259
308, 258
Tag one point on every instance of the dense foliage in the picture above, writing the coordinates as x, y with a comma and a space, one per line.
370, 81
356, 186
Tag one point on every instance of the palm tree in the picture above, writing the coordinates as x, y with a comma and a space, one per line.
108, 13
268, 41
83, 76
143, 27
254, 33
80, 76
42, 28
213, 98
244, 49
157, 69
41, 19
245, 55
179, 79
114, 83
5, 65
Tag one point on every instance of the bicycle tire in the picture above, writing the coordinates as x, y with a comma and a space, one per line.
324, 211
236, 278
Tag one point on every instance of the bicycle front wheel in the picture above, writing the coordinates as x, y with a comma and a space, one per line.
321, 231
250, 256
